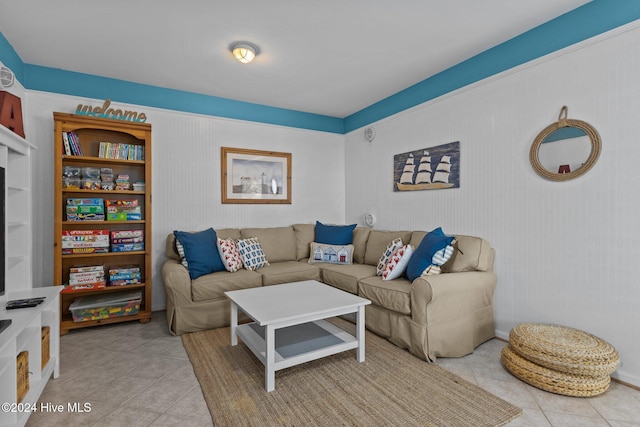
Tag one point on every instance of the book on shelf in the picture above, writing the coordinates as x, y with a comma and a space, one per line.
71, 144
120, 151
66, 144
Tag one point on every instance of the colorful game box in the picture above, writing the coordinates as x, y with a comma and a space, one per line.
85, 210
85, 241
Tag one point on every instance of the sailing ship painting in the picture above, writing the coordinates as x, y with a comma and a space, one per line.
428, 169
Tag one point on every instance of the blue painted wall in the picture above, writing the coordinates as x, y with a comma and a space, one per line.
595, 17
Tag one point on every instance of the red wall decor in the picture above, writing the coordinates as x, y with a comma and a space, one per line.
11, 112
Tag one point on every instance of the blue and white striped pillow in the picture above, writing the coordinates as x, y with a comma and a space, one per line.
439, 259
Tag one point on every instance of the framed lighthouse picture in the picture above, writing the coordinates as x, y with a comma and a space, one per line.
255, 176
430, 168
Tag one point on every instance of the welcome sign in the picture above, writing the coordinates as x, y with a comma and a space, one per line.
104, 111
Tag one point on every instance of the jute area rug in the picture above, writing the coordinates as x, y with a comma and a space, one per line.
390, 388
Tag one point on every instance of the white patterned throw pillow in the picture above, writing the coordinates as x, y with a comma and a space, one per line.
384, 259
251, 253
332, 254
229, 254
397, 263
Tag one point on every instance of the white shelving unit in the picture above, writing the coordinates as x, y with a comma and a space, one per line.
15, 156
25, 331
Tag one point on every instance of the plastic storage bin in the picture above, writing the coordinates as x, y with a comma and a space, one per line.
97, 307
71, 183
70, 172
91, 173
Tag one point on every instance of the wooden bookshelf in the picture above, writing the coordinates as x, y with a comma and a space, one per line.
91, 131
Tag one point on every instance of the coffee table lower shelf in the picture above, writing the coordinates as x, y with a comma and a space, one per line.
298, 343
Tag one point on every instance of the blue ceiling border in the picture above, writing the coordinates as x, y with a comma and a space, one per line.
589, 20
582, 23
86, 85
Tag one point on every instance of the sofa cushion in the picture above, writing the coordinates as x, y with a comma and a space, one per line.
305, 233
346, 277
288, 271
332, 254
470, 254
251, 253
199, 252
212, 286
278, 244
170, 249
334, 234
433, 242
360, 237
229, 233
378, 241
394, 295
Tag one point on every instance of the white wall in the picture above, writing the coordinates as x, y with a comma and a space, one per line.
186, 176
567, 252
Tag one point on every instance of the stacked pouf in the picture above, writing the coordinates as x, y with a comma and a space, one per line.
559, 359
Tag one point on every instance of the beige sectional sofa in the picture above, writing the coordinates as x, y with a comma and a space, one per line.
444, 315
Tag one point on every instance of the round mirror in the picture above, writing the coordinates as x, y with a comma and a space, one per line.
565, 149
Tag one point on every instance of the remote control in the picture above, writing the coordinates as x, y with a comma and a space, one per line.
13, 307
26, 301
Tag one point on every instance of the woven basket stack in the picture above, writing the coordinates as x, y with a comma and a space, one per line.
559, 359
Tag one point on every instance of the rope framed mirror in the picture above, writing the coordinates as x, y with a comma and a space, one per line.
565, 149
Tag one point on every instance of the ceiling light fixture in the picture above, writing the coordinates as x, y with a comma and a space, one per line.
244, 51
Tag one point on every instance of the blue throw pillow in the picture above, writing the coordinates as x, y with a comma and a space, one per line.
334, 234
433, 242
200, 251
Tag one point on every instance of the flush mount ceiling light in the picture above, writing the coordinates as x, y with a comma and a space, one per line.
244, 51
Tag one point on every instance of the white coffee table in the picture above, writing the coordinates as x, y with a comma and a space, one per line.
288, 327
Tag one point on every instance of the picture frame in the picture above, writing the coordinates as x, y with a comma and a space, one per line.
430, 168
255, 176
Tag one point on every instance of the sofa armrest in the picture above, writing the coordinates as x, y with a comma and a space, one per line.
177, 283
450, 296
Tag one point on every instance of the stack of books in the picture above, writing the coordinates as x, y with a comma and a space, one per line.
119, 150
71, 144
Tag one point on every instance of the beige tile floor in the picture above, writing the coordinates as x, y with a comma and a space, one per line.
136, 374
